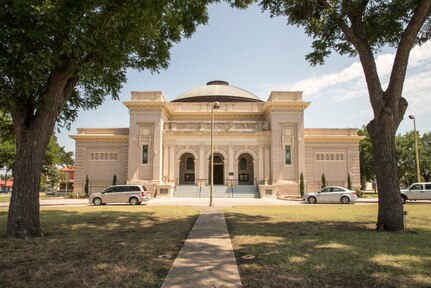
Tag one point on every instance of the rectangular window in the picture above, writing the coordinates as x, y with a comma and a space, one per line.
144, 154
287, 155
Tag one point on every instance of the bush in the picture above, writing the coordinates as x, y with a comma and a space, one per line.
359, 193
323, 180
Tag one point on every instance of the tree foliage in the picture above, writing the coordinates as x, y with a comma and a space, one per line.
363, 27
406, 152
57, 57
366, 156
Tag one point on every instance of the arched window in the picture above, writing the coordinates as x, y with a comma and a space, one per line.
243, 163
190, 163
217, 159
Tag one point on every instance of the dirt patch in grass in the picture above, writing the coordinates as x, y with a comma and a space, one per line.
109, 246
329, 246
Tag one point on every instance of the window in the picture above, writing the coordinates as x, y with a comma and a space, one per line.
330, 157
416, 187
243, 163
190, 163
144, 154
287, 155
103, 156
428, 186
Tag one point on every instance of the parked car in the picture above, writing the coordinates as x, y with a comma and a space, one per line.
331, 194
416, 191
133, 194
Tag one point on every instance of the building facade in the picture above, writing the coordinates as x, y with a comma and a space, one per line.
260, 147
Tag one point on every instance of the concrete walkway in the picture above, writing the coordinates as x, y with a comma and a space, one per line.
207, 258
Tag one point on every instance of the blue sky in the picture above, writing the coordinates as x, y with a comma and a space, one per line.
260, 54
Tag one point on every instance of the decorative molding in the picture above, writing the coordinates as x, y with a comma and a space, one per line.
110, 138
333, 138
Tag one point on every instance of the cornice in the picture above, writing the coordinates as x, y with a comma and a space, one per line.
283, 106
208, 133
93, 137
333, 138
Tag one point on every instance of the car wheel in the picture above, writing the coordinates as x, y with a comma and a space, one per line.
97, 201
403, 199
133, 201
312, 200
345, 200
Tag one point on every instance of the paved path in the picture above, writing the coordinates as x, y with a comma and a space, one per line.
207, 258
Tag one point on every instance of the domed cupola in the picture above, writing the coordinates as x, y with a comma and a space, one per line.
217, 90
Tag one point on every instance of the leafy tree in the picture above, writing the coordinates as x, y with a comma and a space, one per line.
323, 180
7, 142
366, 157
301, 184
363, 27
407, 158
425, 156
59, 56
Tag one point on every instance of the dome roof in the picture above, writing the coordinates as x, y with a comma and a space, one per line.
219, 91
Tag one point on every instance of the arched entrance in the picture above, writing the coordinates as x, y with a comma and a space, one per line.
245, 169
187, 169
218, 169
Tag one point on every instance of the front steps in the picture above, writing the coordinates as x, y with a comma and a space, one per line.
220, 191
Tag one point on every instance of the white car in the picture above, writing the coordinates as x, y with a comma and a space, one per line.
331, 194
417, 191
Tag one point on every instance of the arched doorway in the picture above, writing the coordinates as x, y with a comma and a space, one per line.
218, 169
245, 169
187, 169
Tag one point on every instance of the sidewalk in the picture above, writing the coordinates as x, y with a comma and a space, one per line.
207, 258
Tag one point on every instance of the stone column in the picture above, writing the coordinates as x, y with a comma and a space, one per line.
172, 163
260, 162
201, 173
267, 162
165, 161
157, 151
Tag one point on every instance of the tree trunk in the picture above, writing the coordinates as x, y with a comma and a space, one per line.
382, 132
23, 218
33, 128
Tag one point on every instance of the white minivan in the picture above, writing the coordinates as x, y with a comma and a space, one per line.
417, 191
133, 194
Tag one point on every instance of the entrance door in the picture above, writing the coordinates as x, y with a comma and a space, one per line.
218, 170
218, 175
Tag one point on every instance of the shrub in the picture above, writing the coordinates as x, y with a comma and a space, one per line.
86, 185
349, 181
114, 180
323, 180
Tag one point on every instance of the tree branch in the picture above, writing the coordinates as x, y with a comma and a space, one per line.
408, 39
355, 35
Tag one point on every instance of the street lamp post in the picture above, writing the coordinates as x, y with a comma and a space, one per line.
418, 171
215, 105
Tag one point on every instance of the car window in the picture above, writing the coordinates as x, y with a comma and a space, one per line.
416, 187
134, 188
428, 186
324, 190
337, 190
119, 189
143, 187
109, 190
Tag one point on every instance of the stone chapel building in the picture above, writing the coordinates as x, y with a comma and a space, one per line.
260, 147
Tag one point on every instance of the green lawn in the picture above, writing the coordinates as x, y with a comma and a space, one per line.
108, 246
329, 246
6, 197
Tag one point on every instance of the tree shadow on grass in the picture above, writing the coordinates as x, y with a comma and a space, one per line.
103, 248
328, 254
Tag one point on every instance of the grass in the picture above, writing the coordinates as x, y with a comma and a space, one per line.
108, 246
329, 246
4, 198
